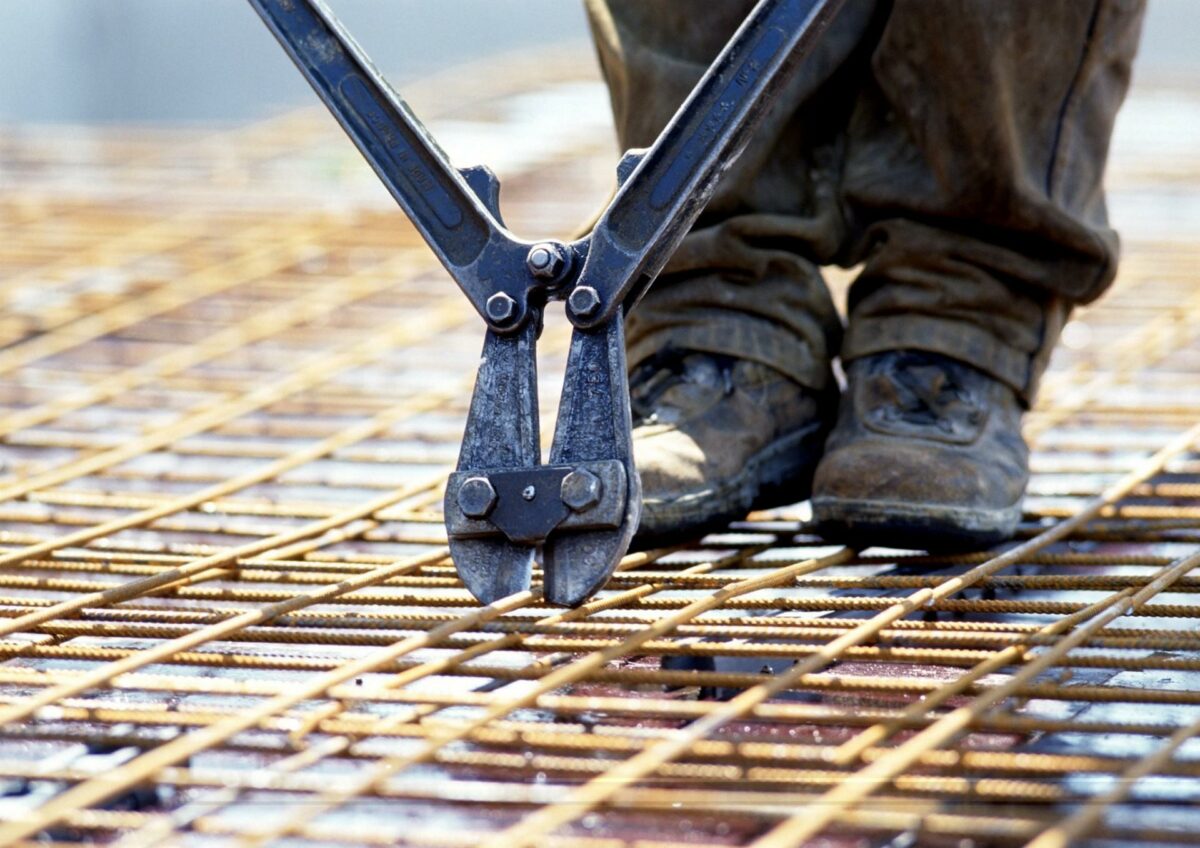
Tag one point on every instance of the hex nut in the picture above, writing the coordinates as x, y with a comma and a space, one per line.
476, 497
581, 490
584, 301
501, 308
546, 261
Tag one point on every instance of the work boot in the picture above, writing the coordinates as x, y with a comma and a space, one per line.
927, 454
715, 437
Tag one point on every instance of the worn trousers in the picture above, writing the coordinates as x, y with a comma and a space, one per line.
952, 150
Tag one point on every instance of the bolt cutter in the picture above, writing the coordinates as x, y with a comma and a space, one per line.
503, 505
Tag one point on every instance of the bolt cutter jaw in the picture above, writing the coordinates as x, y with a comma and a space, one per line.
579, 512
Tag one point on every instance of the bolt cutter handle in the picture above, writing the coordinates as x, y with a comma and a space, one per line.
456, 211
665, 188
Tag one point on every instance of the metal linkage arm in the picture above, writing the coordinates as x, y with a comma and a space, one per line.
665, 188
456, 211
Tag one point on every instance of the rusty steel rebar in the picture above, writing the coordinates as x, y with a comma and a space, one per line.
227, 612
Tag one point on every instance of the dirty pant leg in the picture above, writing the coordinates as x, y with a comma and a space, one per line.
745, 281
973, 177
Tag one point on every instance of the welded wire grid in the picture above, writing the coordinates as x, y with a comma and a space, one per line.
232, 385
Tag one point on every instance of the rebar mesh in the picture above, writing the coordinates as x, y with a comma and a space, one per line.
231, 387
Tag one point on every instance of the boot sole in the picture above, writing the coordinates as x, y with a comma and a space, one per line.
779, 474
893, 524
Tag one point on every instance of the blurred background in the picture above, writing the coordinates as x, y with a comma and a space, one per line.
121, 61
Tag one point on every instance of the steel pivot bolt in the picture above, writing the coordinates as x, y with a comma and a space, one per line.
501, 308
584, 301
476, 497
581, 490
546, 261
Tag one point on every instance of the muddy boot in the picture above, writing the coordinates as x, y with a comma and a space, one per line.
927, 454
715, 437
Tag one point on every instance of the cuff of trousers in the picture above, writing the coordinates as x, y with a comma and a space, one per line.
742, 337
965, 342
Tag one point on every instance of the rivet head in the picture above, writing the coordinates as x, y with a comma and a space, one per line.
529, 493
584, 301
476, 497
581, 490
501, 308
